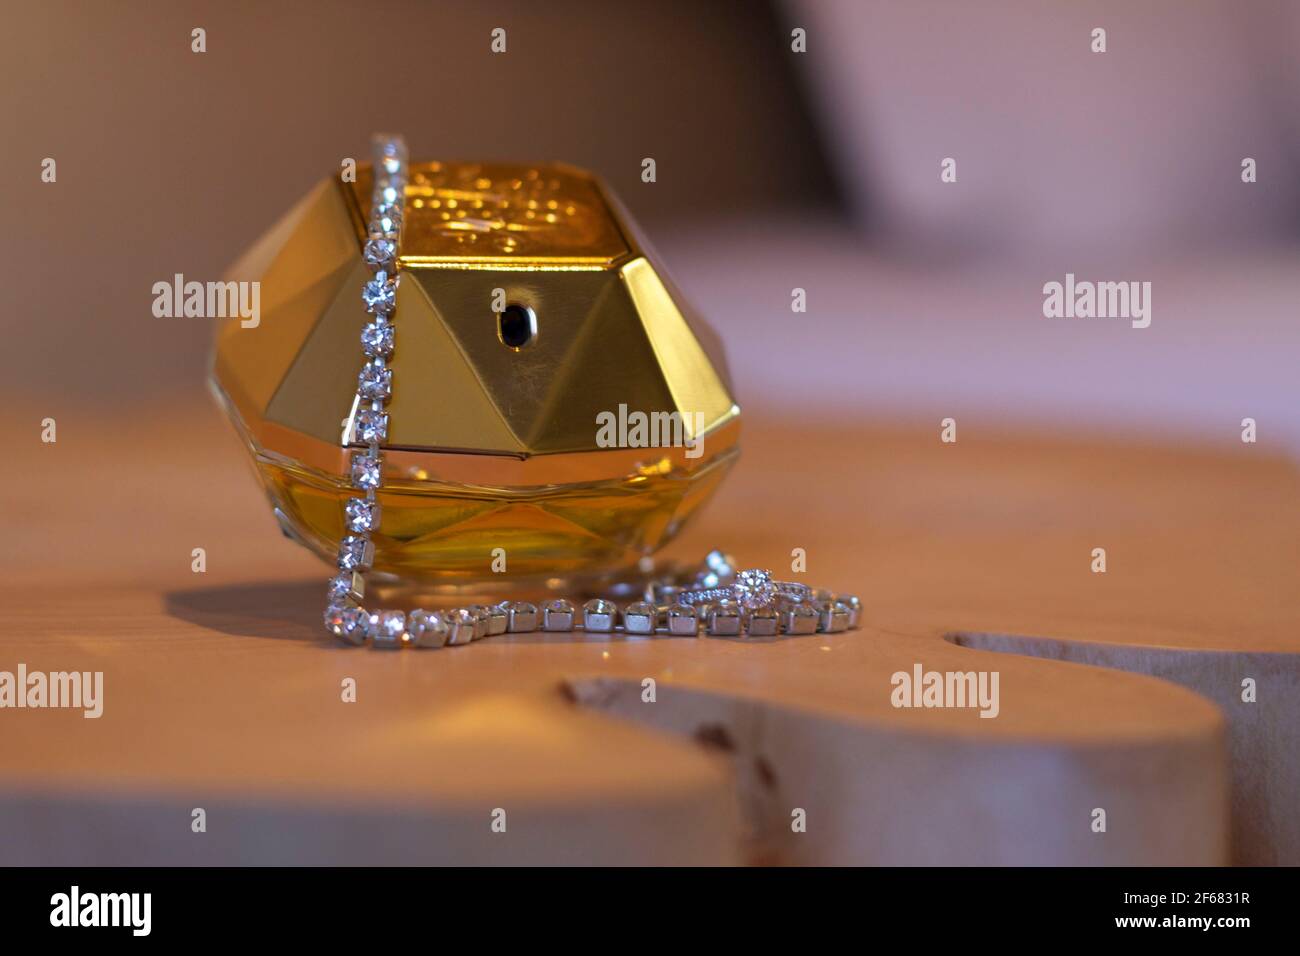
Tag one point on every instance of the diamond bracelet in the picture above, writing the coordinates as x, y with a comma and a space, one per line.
717, 600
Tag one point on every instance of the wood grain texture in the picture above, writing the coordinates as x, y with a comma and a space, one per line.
973, 556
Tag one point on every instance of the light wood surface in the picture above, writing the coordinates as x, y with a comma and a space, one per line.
220, 693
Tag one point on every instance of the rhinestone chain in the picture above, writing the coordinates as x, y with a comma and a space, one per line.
345, 617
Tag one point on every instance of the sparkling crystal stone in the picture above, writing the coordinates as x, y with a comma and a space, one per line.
375, 382
355, 552
497, 621
557, 615
481, 613
521, 616
379, 295
426, 629
346, 621
754, 589
683, 620
854, 605
721, 567
640, 617
346, 586
720, 563
384, 223
388, 194
372, 426
386, 628
833, 617
392, 164
366, 471
460, 625
362, 515
377, 339
379, 252
599, 615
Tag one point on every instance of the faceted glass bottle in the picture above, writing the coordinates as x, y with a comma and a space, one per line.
528, 310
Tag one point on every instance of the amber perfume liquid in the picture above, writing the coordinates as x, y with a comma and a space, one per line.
440, 533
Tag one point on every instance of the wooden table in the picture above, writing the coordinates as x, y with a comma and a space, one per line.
1119, 691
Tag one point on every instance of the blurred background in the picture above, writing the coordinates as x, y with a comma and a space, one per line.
776, 170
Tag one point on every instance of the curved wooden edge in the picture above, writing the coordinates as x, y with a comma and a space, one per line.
1259, 695
880, 792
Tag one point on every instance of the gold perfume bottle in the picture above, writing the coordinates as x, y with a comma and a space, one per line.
556, 417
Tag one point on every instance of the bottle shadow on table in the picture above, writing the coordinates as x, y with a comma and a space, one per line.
285, 611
